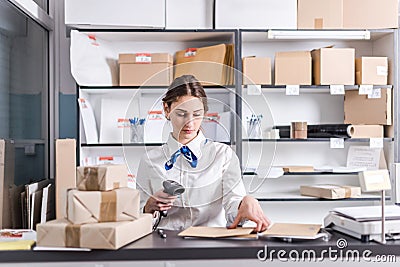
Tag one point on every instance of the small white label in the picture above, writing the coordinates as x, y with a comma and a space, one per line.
376, 93
143, 58
376, 142
292, 89
254, 89
365, 89
381, 71
337, 89
190, 52
337, 143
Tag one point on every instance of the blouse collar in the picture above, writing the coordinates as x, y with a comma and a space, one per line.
194, 145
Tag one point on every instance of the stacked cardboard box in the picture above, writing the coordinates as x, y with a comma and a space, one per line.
106, 219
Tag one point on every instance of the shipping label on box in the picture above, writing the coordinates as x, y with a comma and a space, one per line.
293, 68
359, 109
96, 206
111, 235
101, 178
372, 70
333, 66
330, 191
256, 70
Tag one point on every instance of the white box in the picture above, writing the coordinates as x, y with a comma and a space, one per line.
256, 14
189, 14
128, 13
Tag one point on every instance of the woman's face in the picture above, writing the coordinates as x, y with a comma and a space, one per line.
186, 116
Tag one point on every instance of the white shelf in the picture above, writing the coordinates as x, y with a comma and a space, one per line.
147, 90
313, 89
295, 196
133, 35
301, 35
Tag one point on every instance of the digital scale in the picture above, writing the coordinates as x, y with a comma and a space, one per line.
365, 223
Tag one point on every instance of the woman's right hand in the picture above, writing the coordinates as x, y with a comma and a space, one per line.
159, 201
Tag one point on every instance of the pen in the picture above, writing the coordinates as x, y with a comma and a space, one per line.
161, 233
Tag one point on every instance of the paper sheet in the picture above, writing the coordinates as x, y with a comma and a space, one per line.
292, 230
370, 158
214, 232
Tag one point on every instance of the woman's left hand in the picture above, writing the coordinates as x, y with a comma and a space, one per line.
250, 209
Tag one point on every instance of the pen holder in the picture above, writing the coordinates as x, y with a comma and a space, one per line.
137, 133
254, 129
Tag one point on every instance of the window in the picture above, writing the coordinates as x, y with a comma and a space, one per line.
24, 91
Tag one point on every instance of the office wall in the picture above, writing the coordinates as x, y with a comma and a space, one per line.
66, 84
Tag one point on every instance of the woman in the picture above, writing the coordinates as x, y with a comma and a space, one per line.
210, 171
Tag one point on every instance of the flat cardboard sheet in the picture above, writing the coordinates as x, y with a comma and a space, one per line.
292, 230
214, 232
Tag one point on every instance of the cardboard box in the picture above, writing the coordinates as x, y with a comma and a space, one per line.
112, 235
298, 168
149, 69
7, 169
347, 14
107, 206
320, 14
333, 66
256, 70
255, 14
330, 191
359, 109
370, 14
65, 173
366, 131
101, 178
293, 68
372, 70
179, 14
133, 13
211, 65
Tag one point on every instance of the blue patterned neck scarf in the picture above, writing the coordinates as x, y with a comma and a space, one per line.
187, 153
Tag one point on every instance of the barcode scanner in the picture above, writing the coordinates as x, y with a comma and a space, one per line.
172, 188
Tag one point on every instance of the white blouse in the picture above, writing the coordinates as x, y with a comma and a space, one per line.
213, 189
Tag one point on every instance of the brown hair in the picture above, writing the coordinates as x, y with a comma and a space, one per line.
185, 85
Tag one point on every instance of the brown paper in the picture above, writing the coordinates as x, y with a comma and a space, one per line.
102, 178
330, 191
292, 230
111, 235
65, 172
72, 235
95, 206
214, 232
210, 65
108, 207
